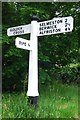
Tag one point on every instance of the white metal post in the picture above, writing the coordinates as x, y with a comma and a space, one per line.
33, 63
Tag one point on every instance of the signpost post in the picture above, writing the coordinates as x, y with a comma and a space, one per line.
33, 64
54, 26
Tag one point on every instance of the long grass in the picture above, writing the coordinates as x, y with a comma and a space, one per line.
55, 101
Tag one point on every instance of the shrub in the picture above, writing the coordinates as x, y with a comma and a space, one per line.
69, 75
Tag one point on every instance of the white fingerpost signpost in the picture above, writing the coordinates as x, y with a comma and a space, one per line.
54, 26
33, 64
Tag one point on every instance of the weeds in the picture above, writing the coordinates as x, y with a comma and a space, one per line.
55, 101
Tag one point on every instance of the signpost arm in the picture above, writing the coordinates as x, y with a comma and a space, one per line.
32, 92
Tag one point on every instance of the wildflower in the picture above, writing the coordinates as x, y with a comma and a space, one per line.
5, 106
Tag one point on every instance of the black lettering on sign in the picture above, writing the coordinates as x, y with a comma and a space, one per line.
66, 29
65, 20
52, 22
15, 29
28, 44
48, 23
19, 28
54, 26
59, 21
47, 31
53, 31
13, 33
42, 24
45, 27
18, 32
41, 28
57, 30
67, 26
10, 30
55, 22
23, 31
22, 43
48, 27
41, 32
50, 31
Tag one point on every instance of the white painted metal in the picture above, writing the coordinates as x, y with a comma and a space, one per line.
23, 43
55, 26
18, 30
33, 62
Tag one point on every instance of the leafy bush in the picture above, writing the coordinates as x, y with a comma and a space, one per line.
44, 76
69, 75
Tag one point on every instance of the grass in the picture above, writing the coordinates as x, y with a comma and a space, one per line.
55, 101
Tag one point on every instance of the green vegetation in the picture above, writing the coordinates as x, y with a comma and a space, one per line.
58, 101
72, 65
